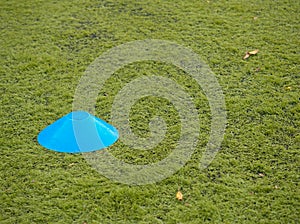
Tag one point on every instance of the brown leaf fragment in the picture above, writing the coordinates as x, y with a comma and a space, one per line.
257, 69
179, 195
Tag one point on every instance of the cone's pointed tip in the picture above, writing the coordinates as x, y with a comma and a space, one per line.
78, 132
79, 115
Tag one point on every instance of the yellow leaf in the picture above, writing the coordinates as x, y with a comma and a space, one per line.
179, 195
253, 52
288, 88
247, 55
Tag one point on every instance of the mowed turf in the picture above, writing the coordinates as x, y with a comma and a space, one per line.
45, 47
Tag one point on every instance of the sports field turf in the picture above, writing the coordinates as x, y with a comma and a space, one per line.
45, 47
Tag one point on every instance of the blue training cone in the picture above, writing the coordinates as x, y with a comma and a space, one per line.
78, 132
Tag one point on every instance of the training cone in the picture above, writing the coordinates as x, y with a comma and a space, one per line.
78, 132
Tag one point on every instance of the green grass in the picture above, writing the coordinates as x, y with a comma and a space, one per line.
46, 47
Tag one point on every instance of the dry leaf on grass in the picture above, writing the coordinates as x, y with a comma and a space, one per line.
249, 53
179, 195
253, 52
257, 69
288, 88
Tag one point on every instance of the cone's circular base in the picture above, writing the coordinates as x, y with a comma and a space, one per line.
78, 132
